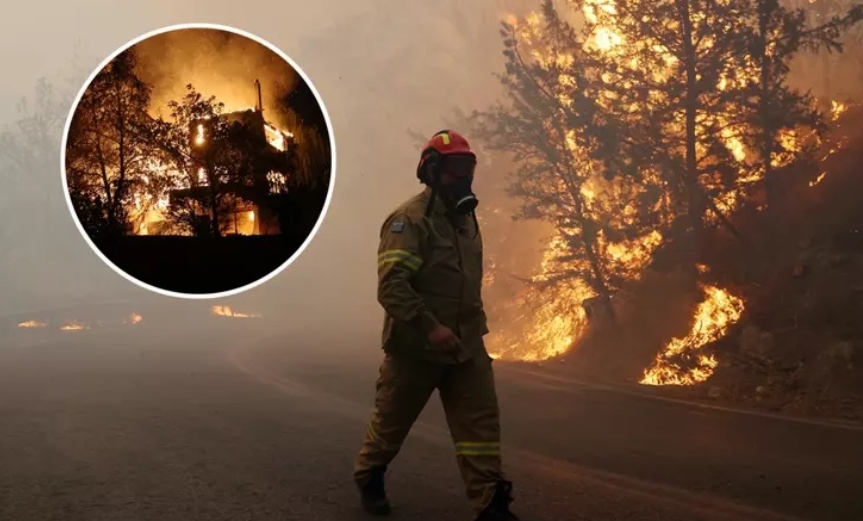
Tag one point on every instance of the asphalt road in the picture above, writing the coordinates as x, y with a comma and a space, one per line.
126, 426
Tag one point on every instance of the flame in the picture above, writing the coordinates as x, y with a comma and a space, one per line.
150, 208
713, 316
226, 311
32, 324
837, 109
150, 212
606, 38
73, 325
555, 320
276, 137
818, 179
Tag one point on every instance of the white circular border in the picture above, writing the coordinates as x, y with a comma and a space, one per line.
303, 246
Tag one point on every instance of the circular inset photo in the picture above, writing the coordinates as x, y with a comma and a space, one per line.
198, 161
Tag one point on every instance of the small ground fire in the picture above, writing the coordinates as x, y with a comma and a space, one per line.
227, 311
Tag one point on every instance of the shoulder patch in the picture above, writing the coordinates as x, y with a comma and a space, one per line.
397, 227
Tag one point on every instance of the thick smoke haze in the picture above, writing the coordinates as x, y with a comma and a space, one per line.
382, 69
217, 63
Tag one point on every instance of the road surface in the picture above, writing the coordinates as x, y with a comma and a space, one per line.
132, 425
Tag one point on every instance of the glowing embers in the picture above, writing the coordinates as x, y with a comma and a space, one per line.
32, 324
227, 311
71, 325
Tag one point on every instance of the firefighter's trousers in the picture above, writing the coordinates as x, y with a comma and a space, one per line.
467, 391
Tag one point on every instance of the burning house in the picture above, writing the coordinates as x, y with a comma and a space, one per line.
241, 164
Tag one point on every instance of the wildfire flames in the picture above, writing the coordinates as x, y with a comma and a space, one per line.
77, 325
148, 211
837, 109
554, 319
548, 319
713, 316
276, 137
818, 179
226, 311
32, 324
73, 325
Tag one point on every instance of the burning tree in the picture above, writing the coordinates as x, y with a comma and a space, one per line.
570, 173
652, 121
782, 117
109, 143
703, 89
673, 73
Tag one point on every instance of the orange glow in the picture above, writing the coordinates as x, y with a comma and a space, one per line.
227, 311
32, 324
818, 179
714, 315
73, 325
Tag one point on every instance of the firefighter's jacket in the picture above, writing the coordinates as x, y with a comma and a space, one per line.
430, 271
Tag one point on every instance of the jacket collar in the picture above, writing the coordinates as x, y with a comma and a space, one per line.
439, 208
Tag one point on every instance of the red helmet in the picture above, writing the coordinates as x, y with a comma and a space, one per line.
444, 143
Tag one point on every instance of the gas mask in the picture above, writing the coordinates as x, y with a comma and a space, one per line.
459, 190
461, 196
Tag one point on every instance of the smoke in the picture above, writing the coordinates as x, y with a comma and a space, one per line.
397, 67
382, 69
217, 63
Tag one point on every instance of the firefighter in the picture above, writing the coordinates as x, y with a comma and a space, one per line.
429, 284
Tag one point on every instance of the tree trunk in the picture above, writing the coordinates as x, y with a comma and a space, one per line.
214, 199
766, 9
589, 243
695, 203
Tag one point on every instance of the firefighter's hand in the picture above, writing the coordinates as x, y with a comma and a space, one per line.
443, 338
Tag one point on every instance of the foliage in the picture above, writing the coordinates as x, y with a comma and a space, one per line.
651, 112
193, 168
110, 141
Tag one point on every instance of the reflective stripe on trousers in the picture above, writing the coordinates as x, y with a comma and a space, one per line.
469, 399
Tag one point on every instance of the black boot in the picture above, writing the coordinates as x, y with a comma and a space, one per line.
498, 509
373, 494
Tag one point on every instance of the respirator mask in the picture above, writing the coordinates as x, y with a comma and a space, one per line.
459, 190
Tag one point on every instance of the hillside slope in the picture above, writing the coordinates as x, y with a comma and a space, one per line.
798, 344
